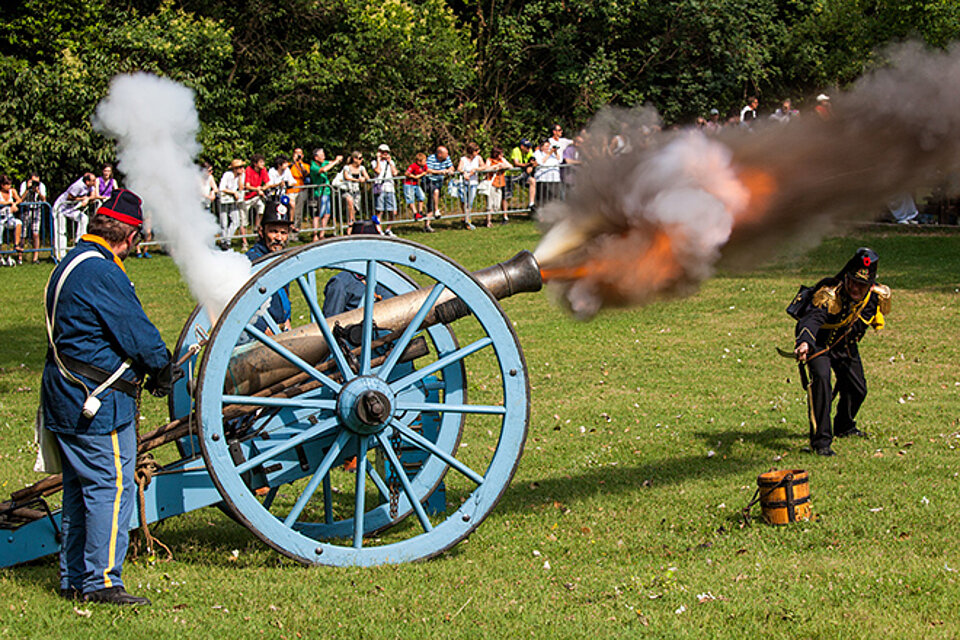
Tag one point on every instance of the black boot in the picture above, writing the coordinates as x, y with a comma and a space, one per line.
71, 593
114, 595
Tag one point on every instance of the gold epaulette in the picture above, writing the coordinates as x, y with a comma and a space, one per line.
883, 294
826, 297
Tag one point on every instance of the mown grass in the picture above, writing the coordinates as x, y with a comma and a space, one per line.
620, 520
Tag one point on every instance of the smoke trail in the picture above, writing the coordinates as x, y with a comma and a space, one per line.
655, 218
155, 125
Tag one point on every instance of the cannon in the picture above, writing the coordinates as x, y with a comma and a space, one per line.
267, 423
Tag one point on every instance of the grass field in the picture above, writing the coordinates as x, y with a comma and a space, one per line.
648, 429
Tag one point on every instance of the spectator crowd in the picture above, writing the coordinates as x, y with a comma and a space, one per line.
320, 190
343, 192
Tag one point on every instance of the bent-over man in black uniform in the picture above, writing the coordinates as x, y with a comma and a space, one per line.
830, 323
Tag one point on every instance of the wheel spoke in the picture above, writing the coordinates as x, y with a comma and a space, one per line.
378, 482
293, 403
439, 407
405, 482
268, 499
454, 356
420, 442
369, 296
327, 500
293, 358
288, 444
400, 346
311, 297
270, 322
360, 497
322, 471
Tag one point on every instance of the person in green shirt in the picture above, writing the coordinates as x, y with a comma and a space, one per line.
522, 158
319, 167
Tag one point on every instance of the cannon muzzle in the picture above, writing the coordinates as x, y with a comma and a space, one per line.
254, 367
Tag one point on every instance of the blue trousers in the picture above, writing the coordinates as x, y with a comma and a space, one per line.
98, 502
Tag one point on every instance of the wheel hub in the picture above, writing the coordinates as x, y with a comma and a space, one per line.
365, 405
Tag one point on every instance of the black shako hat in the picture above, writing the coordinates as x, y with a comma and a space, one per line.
275, 213
123, 205
862, 267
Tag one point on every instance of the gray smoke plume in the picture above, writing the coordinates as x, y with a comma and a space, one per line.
653, 213
155, 125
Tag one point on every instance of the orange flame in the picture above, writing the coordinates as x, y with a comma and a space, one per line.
619, 271
761, 186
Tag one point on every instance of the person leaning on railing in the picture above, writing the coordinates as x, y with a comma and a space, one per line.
470, 165
412, 191
9, 203
522, 158
439, 165
497, 165
353, 174
231, 198
319, 170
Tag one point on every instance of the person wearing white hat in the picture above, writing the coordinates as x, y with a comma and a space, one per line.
384, 189
824, 109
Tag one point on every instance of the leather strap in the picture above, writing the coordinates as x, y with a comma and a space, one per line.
100, 376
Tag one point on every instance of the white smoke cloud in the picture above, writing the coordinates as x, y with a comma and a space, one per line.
155, 125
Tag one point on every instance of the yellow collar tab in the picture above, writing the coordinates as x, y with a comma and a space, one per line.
89, 237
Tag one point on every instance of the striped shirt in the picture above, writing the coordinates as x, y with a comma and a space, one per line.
438, 165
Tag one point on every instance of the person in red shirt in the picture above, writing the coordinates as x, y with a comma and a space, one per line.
413, 192
257, 183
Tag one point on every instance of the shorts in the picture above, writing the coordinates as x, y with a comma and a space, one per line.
495, 199
324, 209
254, 204
413, 193
8, 220
32, 214
385, 201
432, 183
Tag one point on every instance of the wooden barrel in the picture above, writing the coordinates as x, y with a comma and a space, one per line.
784, 496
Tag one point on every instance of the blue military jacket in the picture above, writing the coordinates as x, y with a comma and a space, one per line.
100, 322
279, 308
345, 291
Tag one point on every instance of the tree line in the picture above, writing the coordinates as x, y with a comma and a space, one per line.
415, 73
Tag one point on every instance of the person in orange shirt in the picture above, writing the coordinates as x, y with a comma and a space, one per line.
299, 196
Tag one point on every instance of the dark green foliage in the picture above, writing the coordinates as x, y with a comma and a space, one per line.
354, 73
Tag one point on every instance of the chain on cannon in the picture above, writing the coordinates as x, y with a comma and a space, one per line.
268, 424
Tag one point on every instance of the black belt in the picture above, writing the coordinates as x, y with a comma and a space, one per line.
100, 376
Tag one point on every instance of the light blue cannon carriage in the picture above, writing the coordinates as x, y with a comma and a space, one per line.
267, 422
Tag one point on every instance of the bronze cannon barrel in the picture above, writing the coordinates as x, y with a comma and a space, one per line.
254, 366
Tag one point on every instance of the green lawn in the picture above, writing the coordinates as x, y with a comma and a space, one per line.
648, 429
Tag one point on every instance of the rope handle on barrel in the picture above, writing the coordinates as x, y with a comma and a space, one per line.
784, 483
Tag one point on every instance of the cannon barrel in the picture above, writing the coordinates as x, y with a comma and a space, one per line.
254, 367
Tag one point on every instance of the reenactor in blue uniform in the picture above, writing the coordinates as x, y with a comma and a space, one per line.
832, 317
100, 346
274, 234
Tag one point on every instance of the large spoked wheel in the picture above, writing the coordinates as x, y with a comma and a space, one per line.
278, 459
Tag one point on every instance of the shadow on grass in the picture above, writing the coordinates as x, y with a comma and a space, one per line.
604, 480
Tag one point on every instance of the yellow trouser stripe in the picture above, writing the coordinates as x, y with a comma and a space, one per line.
114, 524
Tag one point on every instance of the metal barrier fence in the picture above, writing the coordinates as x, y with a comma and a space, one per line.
452, 197
431, 198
